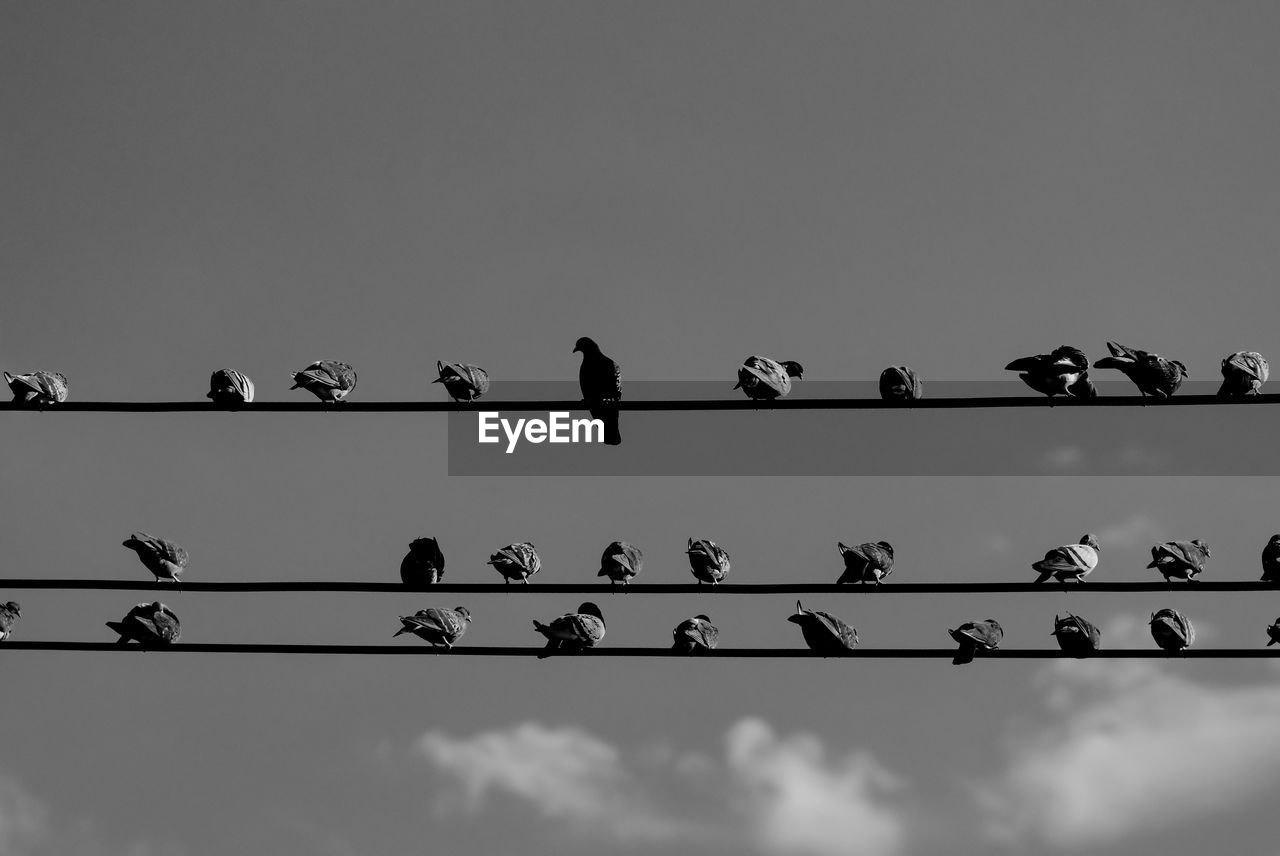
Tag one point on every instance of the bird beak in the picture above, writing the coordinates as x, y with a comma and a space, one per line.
438, 380
575, 350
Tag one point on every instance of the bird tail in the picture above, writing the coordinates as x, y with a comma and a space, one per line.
963, 655
540, 627
1271, 642
398, 632
612, 436
119, 628
1044, 575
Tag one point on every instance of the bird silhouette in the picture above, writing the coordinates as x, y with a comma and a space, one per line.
695, 635
708, 561
463, 381
975, 636
620, 562
228, 386
600, 380
573, 632
148, 624
38, 388
517, 561
1063, 371
328, 380
441, 627
1183, 560
423, 565
166, 559
1243, 374
1151, 373
866, 563
1076, 635
1172, 630
823, 632
9, 614
1070, 561
900, 383
764, 379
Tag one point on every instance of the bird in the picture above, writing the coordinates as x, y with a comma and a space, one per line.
463, 381
708, 561
1243, 374
823, 632
1181, 559
517, 561
1271, 560
1064, 371
1152, 373
1076, 635
1172, 630
900, 383
423, 565
166, 559
975, 636
148, 624
1070, 561
866, 563
600, 380
9, 614
695, 635
327, 380
763, 379
573, 632
620, 562
1273, 632
38, 388
440, 627
228, 386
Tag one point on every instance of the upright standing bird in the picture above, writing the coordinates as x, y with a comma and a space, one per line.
9, 614
900, 383
1183, 560
1152, 373
573, 632
1064, 371
1076, 635
463, 381
601, 382
1243, 374
620, 562
440, 627
166, 559
517, 561
423, 565
1273, 633
1271, 560
823, 632
39, 388
1172, 630
1070, 561
148, 624
327, 380
695, 635
866, 563
708, 561
763, 379
228, 386
975, 636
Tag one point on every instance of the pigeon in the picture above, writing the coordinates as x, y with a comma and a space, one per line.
9, 614
1070, 561
1152, 373
695, 635
39, 388
327, 380
165, 559
601, 382
573, 632
708, 561
975, 636
423, 565
1181, 559
1273, 633
1271, 560
148, 624
463, 381
823, 632
1243, 374
1065, 371
866, 563
900, 383
620, 562
440, 627
228, 386
517, 561
1076, 635
1172, 630
763, 379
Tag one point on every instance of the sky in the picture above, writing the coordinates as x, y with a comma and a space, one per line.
851, 185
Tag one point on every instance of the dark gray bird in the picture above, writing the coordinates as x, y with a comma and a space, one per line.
517, 561
708, 561
1182, 560
38, 388
228, 386
1064, 371
763, 379
573, 632
1172, 630
620, 562
463, 381
166, 559
600, 380
1151, 373
1271, 560
327, 380
148, 624
900, 383
441, 627
1243, 374
1070, 561
823, 632
423, 565
975, 636
9, 614
866, 563
1273, 633
1076, 635
695, 635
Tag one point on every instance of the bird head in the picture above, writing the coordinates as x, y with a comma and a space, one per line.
1183, 368
699, 617
134, 541
418, 544
886, 546
1275, 539
590, 608
464, 612
13, 607
586, 345
1203, 546
800, 614
793, 368
1091, 540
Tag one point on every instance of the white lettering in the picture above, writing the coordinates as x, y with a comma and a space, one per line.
488, 422
512, 436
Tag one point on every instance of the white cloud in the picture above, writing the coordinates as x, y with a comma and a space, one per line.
24, 820
1063, 458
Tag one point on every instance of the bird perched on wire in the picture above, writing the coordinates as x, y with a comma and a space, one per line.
1076, 635
900, 383
327, 380
148, 624
1151, 373
573, 632
517, 561
600, 380
1070, 561
1064, 371
823, 632
441, 627
708, 561
620, 562
695, 635
975, 636
166, 559
1271, 560
1183, 560
38, 388
228, 386
866, 563
1243, 374
423, 565
763, 379
1273, 633
1172, 630
463, 381
9, 614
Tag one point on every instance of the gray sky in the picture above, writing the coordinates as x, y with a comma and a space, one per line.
850, 185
